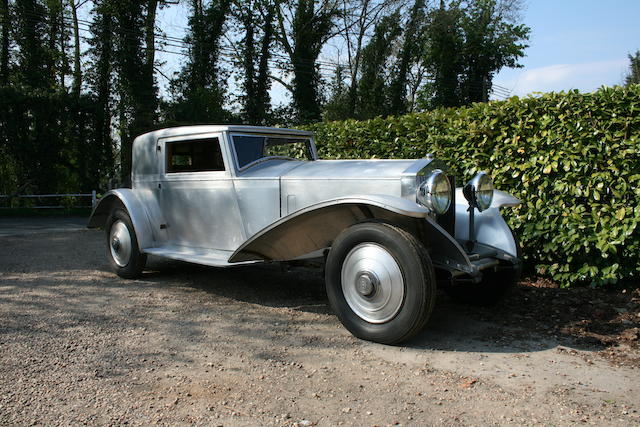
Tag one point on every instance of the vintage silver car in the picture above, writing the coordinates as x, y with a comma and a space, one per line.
389, 231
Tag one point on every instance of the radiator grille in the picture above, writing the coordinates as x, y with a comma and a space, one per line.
448, 219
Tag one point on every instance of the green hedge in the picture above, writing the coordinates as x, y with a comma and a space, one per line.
573, 159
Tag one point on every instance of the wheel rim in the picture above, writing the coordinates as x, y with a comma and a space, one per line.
120, 243
372, 283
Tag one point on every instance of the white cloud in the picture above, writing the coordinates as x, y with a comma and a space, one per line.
585, 77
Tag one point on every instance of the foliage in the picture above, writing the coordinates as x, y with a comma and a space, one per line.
338, 105
444, 42
633, 78
134, 83
374, 98
36, 42
46, 152
492, 41
357, 20
5, 44
466, 45
311, 26
100, 79
407, 56
573, 159
50, 139
256, 21
199, 92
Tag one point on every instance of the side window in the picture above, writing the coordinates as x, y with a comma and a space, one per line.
248, 148
196, 155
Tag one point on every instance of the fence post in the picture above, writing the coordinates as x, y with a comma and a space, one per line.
93, 198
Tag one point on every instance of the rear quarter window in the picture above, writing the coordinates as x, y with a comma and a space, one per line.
196, 155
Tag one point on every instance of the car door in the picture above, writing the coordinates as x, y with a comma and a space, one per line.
197, 195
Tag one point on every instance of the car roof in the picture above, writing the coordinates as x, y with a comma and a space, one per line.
197, 129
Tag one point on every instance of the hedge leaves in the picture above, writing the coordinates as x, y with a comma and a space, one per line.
573, 159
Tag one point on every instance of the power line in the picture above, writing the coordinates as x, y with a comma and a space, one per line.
224, 51
86, 26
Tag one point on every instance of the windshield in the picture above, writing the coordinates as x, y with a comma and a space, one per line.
250, 148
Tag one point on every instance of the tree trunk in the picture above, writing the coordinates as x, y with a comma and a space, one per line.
353, 87
64, 59
4, 53
249, 70
126, 145
150, 37
262, 89
77, 71
309, 28
102, 30
54, 30
398, 95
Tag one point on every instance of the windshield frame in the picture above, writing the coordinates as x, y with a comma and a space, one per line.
303, 138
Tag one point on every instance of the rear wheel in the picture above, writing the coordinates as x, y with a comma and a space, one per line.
122, 246
380, 282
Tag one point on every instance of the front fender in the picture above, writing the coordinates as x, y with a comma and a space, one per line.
130, 200
315, 227
491, 229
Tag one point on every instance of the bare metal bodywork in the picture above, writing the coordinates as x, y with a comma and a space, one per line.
279, 209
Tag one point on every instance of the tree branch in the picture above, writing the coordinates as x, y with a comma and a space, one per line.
283, 33
282, 82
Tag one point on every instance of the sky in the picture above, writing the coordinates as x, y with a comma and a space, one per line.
574, 44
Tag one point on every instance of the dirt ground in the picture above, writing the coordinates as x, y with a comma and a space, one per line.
260, 346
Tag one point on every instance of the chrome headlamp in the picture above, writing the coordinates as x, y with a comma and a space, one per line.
479, 191
435, 192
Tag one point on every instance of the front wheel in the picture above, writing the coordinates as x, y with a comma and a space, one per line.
380, 282
122, 246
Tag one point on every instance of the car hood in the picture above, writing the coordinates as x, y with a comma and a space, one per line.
360, 169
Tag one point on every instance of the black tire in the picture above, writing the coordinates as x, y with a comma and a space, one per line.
494, 287
418, 282
126, 265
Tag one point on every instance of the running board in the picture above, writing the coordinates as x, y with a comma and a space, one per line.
211, 257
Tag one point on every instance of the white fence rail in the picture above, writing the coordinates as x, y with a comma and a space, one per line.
92, 195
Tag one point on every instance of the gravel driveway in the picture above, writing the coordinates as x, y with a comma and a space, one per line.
259, 346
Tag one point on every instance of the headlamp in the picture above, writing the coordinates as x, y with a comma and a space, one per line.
479, 191
435, 192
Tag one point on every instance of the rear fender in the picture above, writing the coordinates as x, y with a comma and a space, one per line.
127, 198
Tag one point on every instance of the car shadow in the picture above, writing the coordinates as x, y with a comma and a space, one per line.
272, 285
516, 325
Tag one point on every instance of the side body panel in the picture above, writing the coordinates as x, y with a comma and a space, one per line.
202, 213
322, 180
258, 201
201, 208
300, 193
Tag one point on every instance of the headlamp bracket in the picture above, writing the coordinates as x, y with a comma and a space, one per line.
469, 192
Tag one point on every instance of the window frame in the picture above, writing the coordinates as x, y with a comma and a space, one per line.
308, 139
162, 157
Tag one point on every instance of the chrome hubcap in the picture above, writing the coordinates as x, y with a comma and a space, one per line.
367, 283
372, 283
120, 243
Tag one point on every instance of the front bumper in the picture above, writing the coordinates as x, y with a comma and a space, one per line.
481, 259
